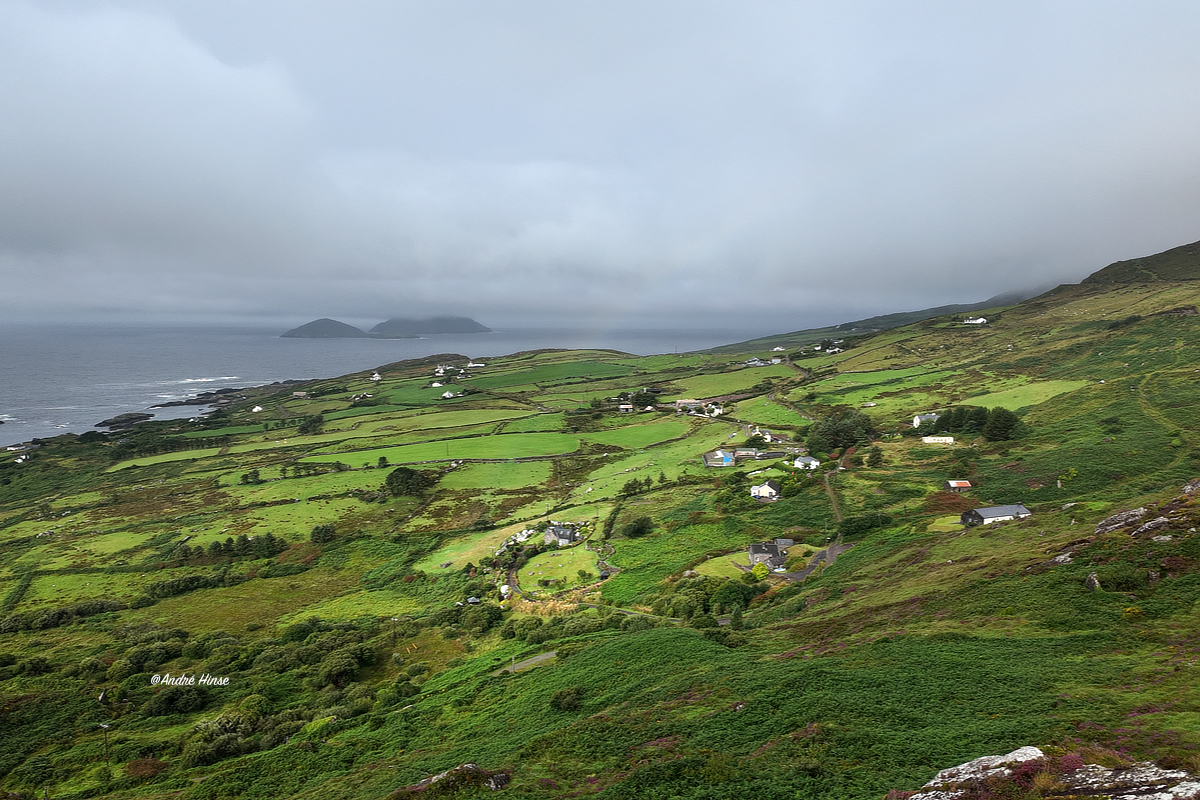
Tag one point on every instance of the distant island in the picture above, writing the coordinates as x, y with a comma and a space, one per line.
395, 328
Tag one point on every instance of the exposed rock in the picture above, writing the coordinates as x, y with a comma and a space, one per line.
1163, 539
1191, 487
1065, 558
1120, 520
461, 777
1153, 525
1141, 781
122, 421
1092, 582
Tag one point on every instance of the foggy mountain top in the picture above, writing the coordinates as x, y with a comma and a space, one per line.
594, 163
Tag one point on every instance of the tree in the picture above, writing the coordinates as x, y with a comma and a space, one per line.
845, 427
756, 441
875, 457
322, 534
639, 527
407, 481
311, 425
1001, 424
760, 570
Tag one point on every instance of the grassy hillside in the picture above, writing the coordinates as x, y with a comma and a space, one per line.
1177, 264
319, 555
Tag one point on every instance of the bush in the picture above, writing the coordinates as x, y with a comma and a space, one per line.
407, 481
639, 527
567, 699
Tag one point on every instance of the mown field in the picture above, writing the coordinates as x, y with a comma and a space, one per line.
320, 552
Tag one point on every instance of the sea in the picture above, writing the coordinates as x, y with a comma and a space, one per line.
57, 379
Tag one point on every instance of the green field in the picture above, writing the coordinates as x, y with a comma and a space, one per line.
358, 667
505, 446
643, 435
703, 386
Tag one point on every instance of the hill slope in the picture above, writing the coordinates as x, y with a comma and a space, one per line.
325, 328
320, 549
1177, 264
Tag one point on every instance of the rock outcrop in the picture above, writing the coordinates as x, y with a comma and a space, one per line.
455, 779
1110, 524
1029, 767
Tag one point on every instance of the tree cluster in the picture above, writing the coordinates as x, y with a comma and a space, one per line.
407, 481
996, 424
843, 428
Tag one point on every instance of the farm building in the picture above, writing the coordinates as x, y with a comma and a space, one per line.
986, 516
957, 486
718, 458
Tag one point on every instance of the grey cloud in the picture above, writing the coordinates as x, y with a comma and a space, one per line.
795, 163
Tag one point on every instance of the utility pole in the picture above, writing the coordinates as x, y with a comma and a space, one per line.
105, 727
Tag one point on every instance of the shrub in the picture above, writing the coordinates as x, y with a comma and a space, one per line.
569, 699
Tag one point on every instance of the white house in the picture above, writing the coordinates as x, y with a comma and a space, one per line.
435, 385
375, 376
806, 462
919, 419
975, 321
937, 439
476, 364
778, 349
765, 491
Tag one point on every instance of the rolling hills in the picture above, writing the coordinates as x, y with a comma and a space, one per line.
266, 547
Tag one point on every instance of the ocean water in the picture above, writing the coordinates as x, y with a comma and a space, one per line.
65, 379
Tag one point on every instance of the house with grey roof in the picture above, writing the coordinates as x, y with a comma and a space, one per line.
986, 516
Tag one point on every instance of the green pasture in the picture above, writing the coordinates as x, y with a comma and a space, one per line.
723, 383
377, 603
497, 476
260, 601
476, 548
276, 488
646, 561
517, 445
552, 374
577, 398
560, 565
642, 435
767, 412
1023, 396
725, 566
537, 423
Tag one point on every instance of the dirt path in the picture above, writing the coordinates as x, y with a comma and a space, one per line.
837, 513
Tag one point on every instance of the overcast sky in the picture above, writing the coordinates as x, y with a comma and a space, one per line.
596, 163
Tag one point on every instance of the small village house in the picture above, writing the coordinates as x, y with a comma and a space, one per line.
958, 487
766, 491
986, 516
920, 419
806, 462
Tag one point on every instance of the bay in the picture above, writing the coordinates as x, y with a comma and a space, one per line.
57, 379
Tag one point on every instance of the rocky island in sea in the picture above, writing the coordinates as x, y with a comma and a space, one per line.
395, 328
